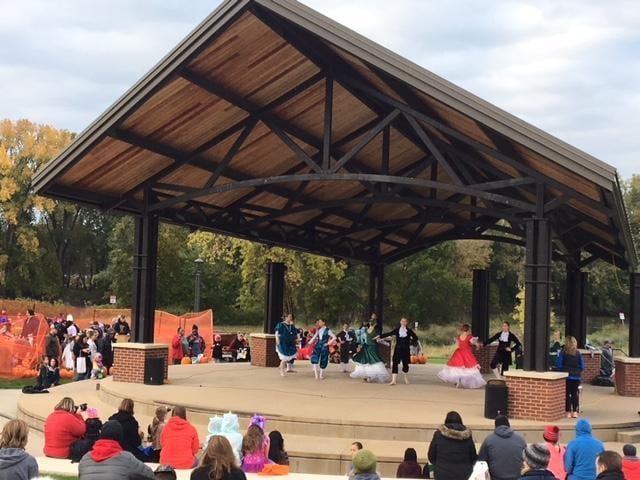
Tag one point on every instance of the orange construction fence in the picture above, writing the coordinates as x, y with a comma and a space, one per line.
167, 324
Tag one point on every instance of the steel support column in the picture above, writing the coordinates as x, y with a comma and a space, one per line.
376, 292
576, 315
274, 295
145, 260
537, 306
634, 320
480, 305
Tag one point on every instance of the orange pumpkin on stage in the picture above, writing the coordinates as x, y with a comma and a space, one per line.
185, 361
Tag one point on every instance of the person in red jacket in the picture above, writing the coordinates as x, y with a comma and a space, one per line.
630, 463
179, 440
176, 347
63, 428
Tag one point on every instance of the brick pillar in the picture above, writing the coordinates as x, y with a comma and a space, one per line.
484, 357
628, 376
129, 360
263, 350
591, 365
536, 395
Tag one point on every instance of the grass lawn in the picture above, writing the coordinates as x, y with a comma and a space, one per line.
62, 477
18, 383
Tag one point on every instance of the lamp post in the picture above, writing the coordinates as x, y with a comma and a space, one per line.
196, 301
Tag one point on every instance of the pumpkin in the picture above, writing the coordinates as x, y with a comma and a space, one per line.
414, 359
205, 360
185, 360
422, 359
64, 373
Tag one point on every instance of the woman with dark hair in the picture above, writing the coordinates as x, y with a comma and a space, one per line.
82, 354
218, 462
463, 368
409, 468
277, 453
131, 433
452, 451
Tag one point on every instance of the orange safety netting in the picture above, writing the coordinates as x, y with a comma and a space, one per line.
22, 346
167, 324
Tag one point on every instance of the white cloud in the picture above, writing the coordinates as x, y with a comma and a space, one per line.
570, 67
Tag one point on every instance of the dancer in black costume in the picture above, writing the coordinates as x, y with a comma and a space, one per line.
507, 342
401, 353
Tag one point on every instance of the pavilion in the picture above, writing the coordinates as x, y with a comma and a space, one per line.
273, 123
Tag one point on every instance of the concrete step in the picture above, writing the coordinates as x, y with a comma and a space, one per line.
629, 436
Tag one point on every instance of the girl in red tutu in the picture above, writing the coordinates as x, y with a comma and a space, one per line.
463, 368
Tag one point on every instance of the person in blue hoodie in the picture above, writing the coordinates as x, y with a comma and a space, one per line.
582, 452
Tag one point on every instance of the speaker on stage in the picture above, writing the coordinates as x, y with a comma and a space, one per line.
496, 399
154, 371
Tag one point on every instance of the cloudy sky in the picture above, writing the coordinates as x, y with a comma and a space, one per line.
570, 67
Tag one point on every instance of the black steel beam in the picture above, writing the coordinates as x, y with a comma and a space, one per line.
145, 260
634, 314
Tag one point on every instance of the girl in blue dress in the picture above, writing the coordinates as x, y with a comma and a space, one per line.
320, 356
287, 339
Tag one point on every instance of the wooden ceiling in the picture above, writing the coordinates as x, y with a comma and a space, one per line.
273, 123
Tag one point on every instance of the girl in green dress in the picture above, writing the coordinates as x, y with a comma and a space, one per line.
369, 364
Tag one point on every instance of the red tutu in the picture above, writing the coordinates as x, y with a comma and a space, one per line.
463, 356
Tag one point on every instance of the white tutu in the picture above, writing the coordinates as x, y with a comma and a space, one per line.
286, 358
463, 377
376, 372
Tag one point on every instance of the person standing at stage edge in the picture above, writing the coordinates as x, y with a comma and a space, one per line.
404, 336
507, 342
287, 339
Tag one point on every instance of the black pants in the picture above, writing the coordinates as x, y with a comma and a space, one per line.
572, 400
345, 353
400, 355
503, 358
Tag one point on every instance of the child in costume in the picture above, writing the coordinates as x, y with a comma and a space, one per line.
230, 429
217, 349
463, 369
401, 353
320, 355
287, 339
255, 446
369, 365
98, 371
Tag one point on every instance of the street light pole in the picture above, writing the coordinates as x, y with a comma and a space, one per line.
196, 301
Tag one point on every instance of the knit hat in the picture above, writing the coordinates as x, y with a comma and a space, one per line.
551, 433
536, 455
92, 412
364, 461
112, 430
502, 420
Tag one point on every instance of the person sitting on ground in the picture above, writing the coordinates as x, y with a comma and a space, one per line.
62, 428
42, 374
108, 461
452, 451
609, 465
364, 465
630, 463
179, 440
165, 472
218, 462
409, 468
536, 460
121, 327
581, 454
277, 453
52, 370
155, 431
502, 450
131, 433
551, 435
255, 450
15, 462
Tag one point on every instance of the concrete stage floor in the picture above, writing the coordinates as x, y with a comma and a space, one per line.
319, 419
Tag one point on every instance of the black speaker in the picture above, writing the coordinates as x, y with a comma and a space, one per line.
154, 371
496, 399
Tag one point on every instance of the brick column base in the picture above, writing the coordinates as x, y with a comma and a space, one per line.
591, 365
536, 395
628, 376
484, 357
129, 360
263, 350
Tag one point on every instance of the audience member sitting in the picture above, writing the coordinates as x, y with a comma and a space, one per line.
84, 445
62, 428
155, 431
255, 450
239, 349
15, 463
556, 462
630, 463
179, 440
536, 461
609, 465
108, 461
218, 462
502, 450
354, 448
277, 453
581, 454
131, 433
452, 451
165, 472
409, 468
364, 465
49, 373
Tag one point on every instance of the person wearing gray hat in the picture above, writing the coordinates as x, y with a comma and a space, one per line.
536, 460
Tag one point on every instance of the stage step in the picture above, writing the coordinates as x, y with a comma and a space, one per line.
630, 436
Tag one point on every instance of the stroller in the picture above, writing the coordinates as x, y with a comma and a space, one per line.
606, 376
